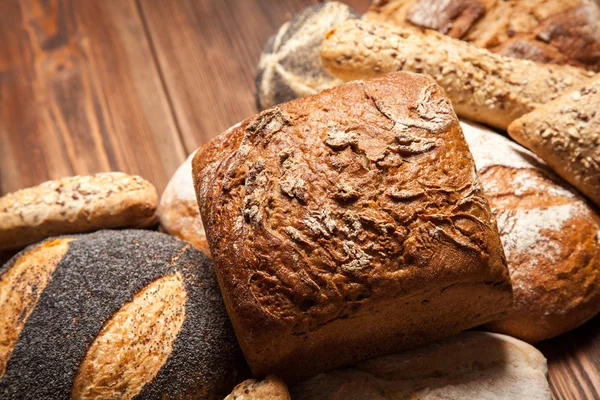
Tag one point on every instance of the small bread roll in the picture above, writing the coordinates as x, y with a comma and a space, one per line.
566, 134
483, 86
271, 388
114, 315
468, 366
76, 204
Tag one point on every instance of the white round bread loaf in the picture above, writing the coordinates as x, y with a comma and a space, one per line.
550, 234
468, 366
114, 315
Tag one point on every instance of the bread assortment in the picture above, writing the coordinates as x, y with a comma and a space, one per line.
114, 314
566, 134
290, 65
483, 86
548, 232
347, 227
545, 31
349, 224
76, 204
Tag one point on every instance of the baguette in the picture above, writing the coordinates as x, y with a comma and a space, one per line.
485, 87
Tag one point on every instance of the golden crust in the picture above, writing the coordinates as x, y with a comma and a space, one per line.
341, 220
483, 86
565, 134
20, 288
75, 204
270, 388
134, 343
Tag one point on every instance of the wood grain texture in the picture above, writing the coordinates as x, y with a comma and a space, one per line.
80, 94
133, 85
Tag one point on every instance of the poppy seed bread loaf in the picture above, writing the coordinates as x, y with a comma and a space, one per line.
114, 314
349, 224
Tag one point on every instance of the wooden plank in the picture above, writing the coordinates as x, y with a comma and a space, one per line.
81, 93
208, 51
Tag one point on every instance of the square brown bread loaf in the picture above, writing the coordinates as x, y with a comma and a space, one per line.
349, 224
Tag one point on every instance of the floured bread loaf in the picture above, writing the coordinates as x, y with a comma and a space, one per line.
271, 388
483, 86
546, 31
566, 134
550, 234
290, 65
178, 210
468, 366
75, 204
114, 315
349, 224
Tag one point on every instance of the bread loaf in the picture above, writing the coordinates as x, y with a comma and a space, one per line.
75, 204
566, 134
290, 65
271, 388
484, 87
545, 31
468, 366
178, 210
551, 238
349, 224
114, 314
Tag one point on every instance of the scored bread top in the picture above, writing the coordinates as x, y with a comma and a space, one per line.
321, 205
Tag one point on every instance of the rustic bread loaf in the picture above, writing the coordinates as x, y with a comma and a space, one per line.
566, 134
545, 31
484, 87
178, 212
551, 238
468, 366
349, 224
271, 388
290, 65
75, 204
114, 314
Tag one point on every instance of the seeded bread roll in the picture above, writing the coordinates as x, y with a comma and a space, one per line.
76, 204
271, 388
114, 314
545, 31
290, 66
468, 366
550, 234
566, 134
484, 87
349, 224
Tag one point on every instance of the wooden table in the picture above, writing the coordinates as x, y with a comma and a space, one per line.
135, 86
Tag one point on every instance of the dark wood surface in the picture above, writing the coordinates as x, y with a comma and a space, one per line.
135, 86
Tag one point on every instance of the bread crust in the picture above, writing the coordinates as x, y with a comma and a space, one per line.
483, 86
550, 234
76, 204
546, 31
342, 220
565, 134
270, 388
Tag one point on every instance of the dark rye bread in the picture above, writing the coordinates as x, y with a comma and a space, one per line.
349, 224
97, 275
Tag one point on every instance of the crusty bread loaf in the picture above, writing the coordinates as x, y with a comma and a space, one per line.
349, 224
290, 65
551, 238
114, 315
468, 366
483, 86
75, 204
545, 31
566, 134
270, 388
178, 212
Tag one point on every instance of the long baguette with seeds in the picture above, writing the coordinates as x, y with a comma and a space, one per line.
483, 86
566, 134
